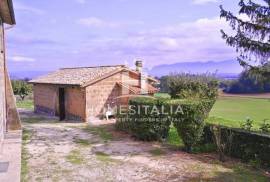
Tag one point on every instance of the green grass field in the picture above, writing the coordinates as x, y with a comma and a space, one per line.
25, 104
231, 111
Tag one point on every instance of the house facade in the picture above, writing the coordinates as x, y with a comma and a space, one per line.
82, 93
9, 118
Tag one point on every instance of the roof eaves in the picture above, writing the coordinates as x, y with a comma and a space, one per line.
11, 11
102, 77
123, 66
59, 84
112, 73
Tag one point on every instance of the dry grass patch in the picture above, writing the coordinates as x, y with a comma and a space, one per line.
82, 142
103, 157
75, 157
100, 131
26, 137
157, 152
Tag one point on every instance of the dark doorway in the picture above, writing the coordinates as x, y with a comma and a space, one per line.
62, 110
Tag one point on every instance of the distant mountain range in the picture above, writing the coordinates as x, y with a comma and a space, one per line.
229, 68
26, 74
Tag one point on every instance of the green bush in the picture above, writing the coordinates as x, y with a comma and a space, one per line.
247, 124
190, 121
198, 94
265, 126
145, 124
185, 86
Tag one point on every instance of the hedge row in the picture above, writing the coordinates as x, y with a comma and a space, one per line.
144, 124
187, 115
190, 122
248, 146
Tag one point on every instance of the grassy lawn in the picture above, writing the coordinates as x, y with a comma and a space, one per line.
25, 104
231, 111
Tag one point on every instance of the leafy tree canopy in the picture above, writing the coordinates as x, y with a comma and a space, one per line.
21, 88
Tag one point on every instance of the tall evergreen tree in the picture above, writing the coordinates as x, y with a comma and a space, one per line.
252, 38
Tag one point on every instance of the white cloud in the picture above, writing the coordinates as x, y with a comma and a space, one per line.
23, 7
96, 22
101, 23
191, 41
22, 59
200, 2
81, 1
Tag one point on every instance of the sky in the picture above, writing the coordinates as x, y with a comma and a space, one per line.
54, 34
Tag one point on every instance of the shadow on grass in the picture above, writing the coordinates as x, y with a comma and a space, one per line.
234, 174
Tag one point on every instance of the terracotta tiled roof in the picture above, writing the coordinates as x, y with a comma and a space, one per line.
138, 90
77, 76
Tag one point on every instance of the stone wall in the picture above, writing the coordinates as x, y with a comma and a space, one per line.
101, 95
105, 93
46, 99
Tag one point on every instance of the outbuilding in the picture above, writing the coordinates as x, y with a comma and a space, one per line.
86, 92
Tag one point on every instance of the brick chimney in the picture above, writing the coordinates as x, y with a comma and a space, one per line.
143, 77
139, 66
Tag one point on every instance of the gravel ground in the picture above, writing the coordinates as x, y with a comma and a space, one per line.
78, 152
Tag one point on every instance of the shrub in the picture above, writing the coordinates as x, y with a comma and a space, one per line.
247, 124
145, 124
190, 122
185, 86
265, 127
198, 94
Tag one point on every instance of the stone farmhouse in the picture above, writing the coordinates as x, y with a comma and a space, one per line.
86, 92
9, 118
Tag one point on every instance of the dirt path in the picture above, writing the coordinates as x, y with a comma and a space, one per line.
78, 152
